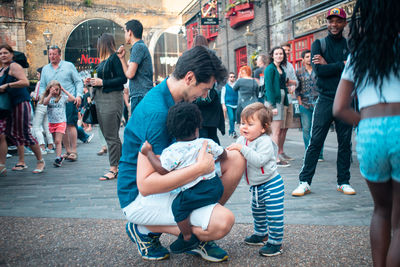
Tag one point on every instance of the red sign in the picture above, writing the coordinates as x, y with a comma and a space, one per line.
85, 59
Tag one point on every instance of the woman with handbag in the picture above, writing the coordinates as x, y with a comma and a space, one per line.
247, 87
108, 97
14, 82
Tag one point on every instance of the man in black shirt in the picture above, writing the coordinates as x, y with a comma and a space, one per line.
328, 59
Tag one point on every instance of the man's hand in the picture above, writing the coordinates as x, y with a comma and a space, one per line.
205, 160
146, 148
318, 59
121, 52
78, 101
235, 146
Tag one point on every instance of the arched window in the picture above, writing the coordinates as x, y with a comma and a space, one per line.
81, 45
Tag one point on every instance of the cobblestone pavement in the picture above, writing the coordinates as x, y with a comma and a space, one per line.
54, 214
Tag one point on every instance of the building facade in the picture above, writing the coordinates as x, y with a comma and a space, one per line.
74, 26
247, 28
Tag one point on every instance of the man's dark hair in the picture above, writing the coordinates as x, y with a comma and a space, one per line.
136, 27
203, 63
303, 54
183, 120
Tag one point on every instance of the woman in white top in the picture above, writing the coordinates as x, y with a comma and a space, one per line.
373, 72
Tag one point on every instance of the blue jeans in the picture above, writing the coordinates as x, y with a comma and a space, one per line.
232, 118
82, 135
306, 123
135, 100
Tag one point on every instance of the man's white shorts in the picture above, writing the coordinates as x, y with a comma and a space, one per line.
156, 210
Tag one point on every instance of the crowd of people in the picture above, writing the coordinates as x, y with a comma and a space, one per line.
173, 175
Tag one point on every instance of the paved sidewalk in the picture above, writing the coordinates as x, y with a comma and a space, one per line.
65, 216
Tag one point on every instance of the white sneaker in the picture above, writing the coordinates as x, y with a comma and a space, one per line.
44, 151
50, 151
28, 151
302, 189
346, 189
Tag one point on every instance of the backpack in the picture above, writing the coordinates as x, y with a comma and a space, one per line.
21, 59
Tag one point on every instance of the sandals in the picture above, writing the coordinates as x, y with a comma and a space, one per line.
3, 171
102, 152
19, 167
37, 170
65, 155
106, 178
73, 156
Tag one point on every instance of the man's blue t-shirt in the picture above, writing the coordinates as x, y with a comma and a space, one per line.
148, 122
142, 82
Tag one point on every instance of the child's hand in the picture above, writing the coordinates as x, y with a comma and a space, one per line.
234, 146
146, 148
275, 111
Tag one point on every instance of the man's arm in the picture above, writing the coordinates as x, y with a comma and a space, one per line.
129, 68
150, 182
319, 64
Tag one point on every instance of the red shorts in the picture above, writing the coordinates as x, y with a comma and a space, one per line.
58, 127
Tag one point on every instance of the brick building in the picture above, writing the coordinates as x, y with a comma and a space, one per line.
74, 26
247, 28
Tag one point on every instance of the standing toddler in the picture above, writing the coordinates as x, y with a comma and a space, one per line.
266, 184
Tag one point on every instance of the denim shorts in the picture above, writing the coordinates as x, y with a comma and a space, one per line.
72, 113
378, 148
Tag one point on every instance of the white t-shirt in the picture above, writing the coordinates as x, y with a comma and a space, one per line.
182, 154
56, 111
368, 94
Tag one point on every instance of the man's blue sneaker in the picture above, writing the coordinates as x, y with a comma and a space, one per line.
210, 252
149, 246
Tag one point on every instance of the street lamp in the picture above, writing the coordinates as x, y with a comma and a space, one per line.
47, 35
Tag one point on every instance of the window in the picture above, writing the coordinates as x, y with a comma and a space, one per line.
241, 58
298, 46
191, 33
210, 31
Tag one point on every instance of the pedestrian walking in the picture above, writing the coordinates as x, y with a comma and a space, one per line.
14, 82
56, 103
66, 74
40, 122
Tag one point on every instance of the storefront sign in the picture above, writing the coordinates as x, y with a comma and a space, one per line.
209, 13
85, 59
317, 21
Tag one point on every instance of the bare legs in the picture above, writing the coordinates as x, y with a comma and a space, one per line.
276, 133
385, 220
57, 142
222, 219
70, 139
281, 138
